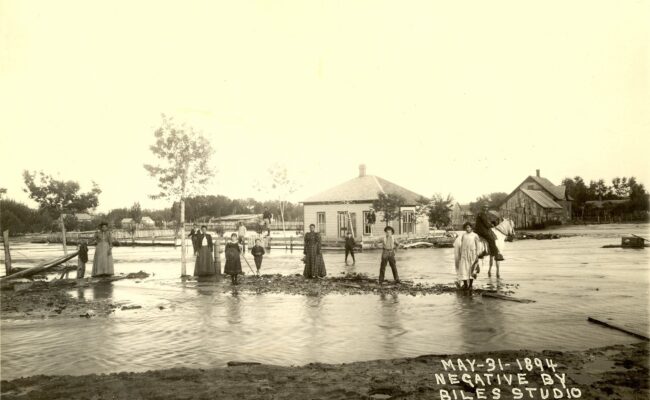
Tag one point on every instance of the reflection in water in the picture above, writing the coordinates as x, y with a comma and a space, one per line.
313, 324
102, 291
390, 322
201, 326
233, 308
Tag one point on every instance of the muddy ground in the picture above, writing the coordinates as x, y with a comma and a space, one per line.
49, 299
617, 372
344, 284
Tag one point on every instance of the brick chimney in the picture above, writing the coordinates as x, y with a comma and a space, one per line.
362, 170
537, 171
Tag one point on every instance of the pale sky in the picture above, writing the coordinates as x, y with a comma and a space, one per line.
460, 97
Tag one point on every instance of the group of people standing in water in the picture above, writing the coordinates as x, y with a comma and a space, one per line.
203, 246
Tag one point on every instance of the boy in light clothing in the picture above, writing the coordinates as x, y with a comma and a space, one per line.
388, 254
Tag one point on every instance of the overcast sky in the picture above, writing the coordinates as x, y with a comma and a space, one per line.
453, 97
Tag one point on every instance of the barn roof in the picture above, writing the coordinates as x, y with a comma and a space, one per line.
541, 198
558, 192
363, 188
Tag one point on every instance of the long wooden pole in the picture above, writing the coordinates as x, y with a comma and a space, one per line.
5, 236
217, 256
65, 246
183, 261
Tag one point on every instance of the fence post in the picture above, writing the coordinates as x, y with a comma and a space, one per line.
5, 237
291, 244
217, 257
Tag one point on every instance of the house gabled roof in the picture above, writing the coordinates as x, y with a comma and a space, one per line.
541, 198
558, 192
363, 188
124, 220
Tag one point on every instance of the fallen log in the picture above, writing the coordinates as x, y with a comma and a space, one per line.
40, 268
503, 297
618, 328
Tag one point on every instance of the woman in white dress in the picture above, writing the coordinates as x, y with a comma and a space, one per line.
466, 249
103, 260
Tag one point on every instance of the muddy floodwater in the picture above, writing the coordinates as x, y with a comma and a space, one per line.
193, 325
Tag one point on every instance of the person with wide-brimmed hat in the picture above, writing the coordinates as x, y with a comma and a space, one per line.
483, 228
388, 254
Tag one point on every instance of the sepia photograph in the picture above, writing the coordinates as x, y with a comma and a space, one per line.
311, 199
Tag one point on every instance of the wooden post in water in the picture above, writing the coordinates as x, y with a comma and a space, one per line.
65, 246
183, 261
5, 236
217, 257
291, 244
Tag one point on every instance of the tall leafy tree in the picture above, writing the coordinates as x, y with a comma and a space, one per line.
136, 212
280, 186
437, 209
638, 196
598, 189
388, 204
578, 190
58, 197
620, 187
183, 166
492, 200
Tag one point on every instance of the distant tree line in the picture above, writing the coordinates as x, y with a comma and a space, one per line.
625, 188
21, 219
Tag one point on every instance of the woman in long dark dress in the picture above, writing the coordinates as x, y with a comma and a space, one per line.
314, 263
233, 262
204, 265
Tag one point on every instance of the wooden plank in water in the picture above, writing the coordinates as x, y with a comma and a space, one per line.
504, 297
618, 328
41, 267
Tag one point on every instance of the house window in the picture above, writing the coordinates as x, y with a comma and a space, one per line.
320, 222
408, 222
367, 228
344, 220
531, 187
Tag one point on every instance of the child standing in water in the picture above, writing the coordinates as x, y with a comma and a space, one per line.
82, 259
258, 253
233, 262
467, 251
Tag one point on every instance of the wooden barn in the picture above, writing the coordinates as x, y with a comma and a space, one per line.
537, 202
347, 207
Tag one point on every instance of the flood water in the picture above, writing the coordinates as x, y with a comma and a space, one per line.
569, 279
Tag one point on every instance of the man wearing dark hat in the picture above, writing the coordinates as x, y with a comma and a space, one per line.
388, 254
483, 228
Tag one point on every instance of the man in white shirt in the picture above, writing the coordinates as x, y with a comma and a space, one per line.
388, 254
